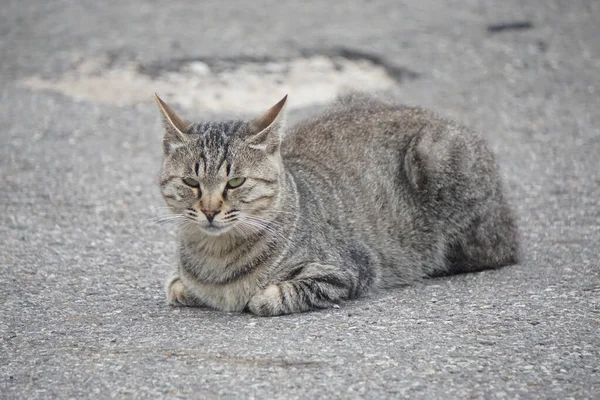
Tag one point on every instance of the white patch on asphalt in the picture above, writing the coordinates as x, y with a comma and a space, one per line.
250, 87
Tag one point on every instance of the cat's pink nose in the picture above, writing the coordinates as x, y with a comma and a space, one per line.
210, 214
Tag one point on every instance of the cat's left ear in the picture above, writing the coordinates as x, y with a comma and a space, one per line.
267, 129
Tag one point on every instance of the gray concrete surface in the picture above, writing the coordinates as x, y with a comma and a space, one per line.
81, 269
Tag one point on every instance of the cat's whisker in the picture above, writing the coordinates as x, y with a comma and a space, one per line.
256, 229
268, 212
164, 219
273, 223
189, 224
246, 230
266, 227
232, 216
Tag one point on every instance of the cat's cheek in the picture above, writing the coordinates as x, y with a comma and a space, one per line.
178, 197
173, 202
171, 193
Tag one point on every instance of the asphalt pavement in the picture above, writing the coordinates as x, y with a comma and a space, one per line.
82, 267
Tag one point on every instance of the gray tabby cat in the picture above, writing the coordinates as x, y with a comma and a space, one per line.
367, 196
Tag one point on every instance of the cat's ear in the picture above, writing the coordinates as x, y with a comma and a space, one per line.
176, 127
267, 129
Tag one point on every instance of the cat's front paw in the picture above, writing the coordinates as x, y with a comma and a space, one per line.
177, 295
267, 302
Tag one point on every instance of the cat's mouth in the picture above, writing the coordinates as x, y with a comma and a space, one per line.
214, 230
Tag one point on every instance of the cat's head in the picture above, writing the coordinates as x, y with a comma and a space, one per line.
221, 177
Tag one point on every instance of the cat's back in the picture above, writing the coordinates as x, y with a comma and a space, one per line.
357, 129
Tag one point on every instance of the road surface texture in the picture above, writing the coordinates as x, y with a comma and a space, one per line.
82, 268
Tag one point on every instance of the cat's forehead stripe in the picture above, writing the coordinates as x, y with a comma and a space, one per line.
217, 131
214, 139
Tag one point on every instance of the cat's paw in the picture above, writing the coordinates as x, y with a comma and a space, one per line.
267, 302
177, 294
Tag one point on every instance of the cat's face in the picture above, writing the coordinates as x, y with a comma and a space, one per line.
222, 177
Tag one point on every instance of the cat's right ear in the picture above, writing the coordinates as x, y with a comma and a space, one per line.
176, 127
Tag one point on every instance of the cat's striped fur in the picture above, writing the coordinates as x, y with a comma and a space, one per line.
366, 196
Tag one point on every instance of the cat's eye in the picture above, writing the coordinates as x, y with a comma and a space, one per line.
191, 182
235, 182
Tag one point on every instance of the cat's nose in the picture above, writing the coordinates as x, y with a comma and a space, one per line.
210, 214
